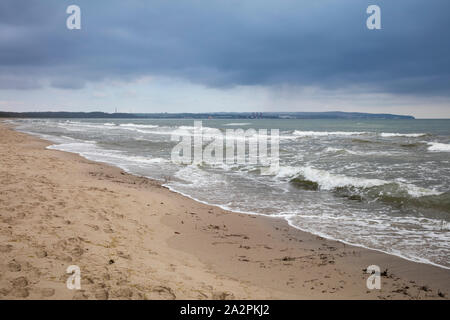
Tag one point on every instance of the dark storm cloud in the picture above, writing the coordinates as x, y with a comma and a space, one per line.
321, 43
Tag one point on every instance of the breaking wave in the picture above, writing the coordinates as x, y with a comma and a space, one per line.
363, 189
410, 135
299, 133
440, 147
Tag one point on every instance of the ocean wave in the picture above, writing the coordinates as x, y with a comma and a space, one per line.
237, 124
356, 188
208, 133
439, 147
363, 141
79, 147
361, 153
91, 151
410, 135
195, 177
133, 125
300, 133
329, 181
193, 127
411, 145
80, 126
395, 194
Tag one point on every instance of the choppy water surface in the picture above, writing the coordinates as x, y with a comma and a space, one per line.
382, 184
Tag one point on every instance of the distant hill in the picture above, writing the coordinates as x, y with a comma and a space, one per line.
213, 115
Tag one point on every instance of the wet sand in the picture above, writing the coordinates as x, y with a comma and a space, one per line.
134, 239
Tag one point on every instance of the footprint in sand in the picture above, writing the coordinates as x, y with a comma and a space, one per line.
20, 292
14, 266
4, 291
20, 282
41, 253
47, 292
77, 251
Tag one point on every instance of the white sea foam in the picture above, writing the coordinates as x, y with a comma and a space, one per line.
325, 179
402, 241
329, 181
440, 147
91, 151
234, 124
284, 172
416, 191
133, 125
299, 133
410, 135
81, 126
198, 178
80, 147
361, 153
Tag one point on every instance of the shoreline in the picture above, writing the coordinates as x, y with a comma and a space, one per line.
426, 262
399, 255
204, 252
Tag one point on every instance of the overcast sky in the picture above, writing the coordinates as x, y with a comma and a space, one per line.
233, 55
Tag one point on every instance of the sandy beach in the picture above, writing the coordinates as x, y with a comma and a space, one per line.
134, 239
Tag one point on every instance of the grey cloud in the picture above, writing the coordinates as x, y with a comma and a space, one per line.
67, 83
10, 81
320, 43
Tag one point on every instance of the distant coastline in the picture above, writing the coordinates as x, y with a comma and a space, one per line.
213, 115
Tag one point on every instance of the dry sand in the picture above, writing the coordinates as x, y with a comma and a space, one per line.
134, 239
